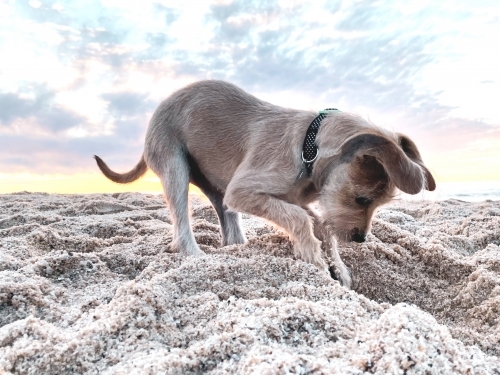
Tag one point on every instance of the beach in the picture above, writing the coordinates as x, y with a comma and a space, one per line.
89, 284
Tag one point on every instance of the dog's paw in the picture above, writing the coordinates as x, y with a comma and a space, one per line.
186, 250
333, 275
195, 253
341, 275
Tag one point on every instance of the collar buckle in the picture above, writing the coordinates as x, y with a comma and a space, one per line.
312, 160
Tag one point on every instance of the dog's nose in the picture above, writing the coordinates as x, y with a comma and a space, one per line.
358, 236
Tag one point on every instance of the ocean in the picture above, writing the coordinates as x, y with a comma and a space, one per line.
464, 191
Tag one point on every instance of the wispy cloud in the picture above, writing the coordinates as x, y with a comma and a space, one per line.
79, 78
41, 108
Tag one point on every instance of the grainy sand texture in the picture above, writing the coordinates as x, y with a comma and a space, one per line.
88, 284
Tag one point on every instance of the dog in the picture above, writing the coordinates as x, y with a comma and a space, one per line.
247, 156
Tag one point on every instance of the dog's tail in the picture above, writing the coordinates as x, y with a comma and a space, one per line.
122, 178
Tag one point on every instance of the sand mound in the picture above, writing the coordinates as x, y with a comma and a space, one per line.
88, 284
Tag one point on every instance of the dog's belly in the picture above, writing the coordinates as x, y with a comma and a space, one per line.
205, 181
215, 152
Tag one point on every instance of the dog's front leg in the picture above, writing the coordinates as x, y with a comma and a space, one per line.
329, 246
293, 219
319, 228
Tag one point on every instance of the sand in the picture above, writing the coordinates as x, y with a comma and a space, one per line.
89, 284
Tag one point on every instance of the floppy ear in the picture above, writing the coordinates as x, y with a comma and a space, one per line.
411, 150
407, 175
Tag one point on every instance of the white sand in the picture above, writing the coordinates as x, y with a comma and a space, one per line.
88, 285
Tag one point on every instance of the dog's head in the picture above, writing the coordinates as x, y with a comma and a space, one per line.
369, 168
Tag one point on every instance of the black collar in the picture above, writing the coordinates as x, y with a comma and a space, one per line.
310, 149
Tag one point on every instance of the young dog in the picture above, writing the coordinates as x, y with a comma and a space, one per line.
246, 155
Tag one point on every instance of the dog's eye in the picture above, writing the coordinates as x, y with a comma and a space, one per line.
363, 201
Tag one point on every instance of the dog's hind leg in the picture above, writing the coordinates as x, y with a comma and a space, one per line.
230, 222
174, 175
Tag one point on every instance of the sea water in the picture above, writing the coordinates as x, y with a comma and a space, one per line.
466, 191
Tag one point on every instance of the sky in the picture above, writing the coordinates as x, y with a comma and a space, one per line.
79, 78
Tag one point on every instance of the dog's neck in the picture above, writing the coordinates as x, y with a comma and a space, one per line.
310, 148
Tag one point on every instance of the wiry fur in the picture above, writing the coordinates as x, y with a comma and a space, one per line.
245, 155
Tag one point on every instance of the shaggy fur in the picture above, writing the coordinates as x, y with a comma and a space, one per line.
245, 155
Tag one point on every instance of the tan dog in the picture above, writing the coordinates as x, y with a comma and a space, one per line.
245, 155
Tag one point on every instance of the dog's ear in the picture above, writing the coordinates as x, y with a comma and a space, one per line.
411, 150
406, 174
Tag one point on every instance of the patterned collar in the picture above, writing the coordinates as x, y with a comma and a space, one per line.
310, 149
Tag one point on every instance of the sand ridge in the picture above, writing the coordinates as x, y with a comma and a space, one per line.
88, 284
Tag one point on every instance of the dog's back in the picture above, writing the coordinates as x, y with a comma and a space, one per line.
218, 124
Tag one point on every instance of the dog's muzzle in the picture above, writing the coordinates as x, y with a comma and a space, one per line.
358, 236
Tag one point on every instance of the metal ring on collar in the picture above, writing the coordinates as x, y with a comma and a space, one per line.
313, 159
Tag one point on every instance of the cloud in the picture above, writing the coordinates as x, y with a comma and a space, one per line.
236, 19
87, 31
450, 133
58, 119
96, 43
170, 14
12, 106
374, 56
158, 46
45, 12
52, 150
367, 15
48, 115
24, 153
127, 103
265, 48
129, 111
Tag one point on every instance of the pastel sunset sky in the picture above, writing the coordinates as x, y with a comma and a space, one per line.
79, 78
